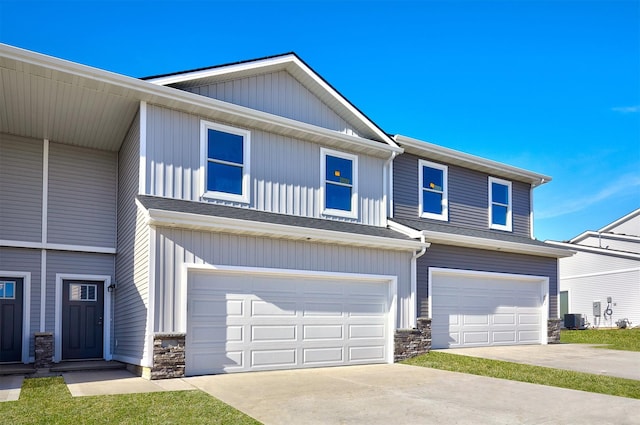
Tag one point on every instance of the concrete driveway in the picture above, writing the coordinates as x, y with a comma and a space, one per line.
402, 394
578, 357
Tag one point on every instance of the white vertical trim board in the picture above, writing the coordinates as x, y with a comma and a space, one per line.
26, 309
43, 289
45, 189
142, 171
106, 322
147, 358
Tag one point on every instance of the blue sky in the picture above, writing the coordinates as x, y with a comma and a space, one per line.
549, 86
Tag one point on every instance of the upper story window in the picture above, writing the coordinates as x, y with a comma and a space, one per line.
224, 154
500, 204
433, 202
339, 183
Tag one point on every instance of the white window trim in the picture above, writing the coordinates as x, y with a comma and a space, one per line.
508, 227
444, 216
323, 181
245, 197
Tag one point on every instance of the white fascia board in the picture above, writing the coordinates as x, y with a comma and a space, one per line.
596, 250
57, 246
604, 235
236, 226
621, 220
504, 170
405, 230
282, 62
176, 99
495, 245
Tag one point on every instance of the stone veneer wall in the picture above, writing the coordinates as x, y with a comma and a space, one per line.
43, 350
412, 342
168, 356
553, 331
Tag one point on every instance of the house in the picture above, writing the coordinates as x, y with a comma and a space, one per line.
484, 280
228, 219
605, 271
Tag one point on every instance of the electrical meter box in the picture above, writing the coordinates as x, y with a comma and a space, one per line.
597, 309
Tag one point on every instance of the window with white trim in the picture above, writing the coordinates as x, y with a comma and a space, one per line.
224, 155
7, 290
432, 198
83, 292
500, 204
339, 183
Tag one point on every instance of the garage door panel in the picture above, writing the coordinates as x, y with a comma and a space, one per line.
324, 355
273, 358
474, 338
323, 332
264, 308
480, 310
273, 333
297, 323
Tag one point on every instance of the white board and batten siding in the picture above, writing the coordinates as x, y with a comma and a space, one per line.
477, 309
264, 319
278, 93
285, 172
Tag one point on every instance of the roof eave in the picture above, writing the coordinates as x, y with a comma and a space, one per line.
165, 218
431, 150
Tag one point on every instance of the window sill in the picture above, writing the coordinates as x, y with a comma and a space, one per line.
221, 196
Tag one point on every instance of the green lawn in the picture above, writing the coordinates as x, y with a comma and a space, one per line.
615, 339
48, 401
527, 373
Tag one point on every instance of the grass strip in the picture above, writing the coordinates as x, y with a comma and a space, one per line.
527, 373
47, 401
615, 339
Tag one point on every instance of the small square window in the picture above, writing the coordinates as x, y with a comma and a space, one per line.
432, 196
339, 190
82, 292
500, 216
225, 162
7, 290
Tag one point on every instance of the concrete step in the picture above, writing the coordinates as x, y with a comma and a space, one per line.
16, 369
80, 365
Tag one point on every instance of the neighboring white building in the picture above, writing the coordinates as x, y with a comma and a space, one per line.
607, 264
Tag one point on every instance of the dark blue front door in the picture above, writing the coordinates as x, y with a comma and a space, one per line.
10, 319
82, 319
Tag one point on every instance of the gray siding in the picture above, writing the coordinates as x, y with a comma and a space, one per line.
20, 188
72, 263
177, 247
278, 93
454, 257
82, 196
285, 172
26, 260
468, 196
130, 300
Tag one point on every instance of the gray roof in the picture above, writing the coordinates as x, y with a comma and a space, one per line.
209, 209
465, 231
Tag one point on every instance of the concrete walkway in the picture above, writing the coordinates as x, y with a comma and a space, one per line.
578, 357
402, 394
10, 387
106, 382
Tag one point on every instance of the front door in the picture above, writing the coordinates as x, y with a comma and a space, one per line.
10, 319
82, 319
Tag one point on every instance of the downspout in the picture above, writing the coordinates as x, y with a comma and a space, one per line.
414, 282
387, 182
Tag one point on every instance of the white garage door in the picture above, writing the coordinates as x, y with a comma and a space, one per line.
485, 309
248, 322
